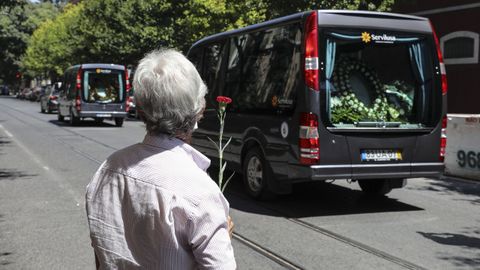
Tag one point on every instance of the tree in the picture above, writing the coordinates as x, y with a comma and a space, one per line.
200, 18
18, 20
277, 8
10, 3
54, 45
123, 31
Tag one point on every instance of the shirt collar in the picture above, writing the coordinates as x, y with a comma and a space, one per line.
173, 144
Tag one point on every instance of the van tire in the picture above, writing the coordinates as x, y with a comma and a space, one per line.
74, 121
256, 171
60, 117
118, 122
375, 187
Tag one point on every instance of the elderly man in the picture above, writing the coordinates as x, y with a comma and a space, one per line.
152, 205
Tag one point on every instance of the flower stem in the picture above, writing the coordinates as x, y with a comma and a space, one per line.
220, 149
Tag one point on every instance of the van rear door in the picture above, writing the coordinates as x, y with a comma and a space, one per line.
383, 95
103, 90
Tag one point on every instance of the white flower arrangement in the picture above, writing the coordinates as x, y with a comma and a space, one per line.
391, 101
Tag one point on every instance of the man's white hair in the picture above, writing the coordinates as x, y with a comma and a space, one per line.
169, 91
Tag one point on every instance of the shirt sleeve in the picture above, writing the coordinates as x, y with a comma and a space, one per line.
208, 233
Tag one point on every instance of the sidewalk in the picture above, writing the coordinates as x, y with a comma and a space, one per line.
458, 178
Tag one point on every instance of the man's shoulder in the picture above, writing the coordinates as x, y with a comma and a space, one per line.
167, 169
128, 155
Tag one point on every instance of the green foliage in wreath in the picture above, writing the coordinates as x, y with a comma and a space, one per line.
389, 102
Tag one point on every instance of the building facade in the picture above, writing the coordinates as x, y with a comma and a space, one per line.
457, 24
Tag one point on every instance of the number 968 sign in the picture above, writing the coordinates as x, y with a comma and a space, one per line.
469, 159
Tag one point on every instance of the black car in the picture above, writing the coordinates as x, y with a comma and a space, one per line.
49, 100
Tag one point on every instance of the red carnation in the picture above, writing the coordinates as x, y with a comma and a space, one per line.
224, 99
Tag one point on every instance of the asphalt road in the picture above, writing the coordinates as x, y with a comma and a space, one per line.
45, 166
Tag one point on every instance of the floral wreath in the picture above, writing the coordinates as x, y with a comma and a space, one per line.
347, 108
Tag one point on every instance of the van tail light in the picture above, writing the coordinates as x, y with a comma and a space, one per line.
78, 85
78, 103
127, 87
127, 81
443, 72
127, 104
443, 139
309, 139
311, 52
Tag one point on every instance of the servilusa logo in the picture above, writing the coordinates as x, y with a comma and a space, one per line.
367, 37
383, 38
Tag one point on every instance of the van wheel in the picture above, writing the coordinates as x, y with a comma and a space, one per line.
375, 187
74, 121
255, 174
118, 122
60, 117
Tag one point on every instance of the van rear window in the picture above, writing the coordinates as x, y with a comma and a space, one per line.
379, 79
103, 86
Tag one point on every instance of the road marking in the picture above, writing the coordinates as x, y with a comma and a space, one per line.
53, 176
6, 132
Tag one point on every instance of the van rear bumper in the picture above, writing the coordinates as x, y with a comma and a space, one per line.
369, 171
103, 114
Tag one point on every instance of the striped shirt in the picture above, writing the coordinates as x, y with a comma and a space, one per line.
153, 206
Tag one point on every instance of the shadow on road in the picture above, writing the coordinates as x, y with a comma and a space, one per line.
7, 174
314, 199
4, 142
84, 123
4, 258
448, 186
453, 239
470, 243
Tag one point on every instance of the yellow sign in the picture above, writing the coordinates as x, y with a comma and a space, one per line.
366, 37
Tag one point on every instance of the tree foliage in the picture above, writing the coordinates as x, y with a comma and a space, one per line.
277, 8
53, 46
18, 20
122, 31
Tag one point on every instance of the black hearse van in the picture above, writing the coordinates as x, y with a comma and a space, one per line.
97, 91
325, 95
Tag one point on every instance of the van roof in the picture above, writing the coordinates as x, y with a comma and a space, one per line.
344, 18
98, 65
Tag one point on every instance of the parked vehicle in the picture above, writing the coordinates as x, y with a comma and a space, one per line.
97, 91
131, 106
35, 93
30, 94
23, 93
4, 90
49, 100
323, 95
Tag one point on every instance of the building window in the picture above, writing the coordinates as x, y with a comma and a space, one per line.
460, 47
